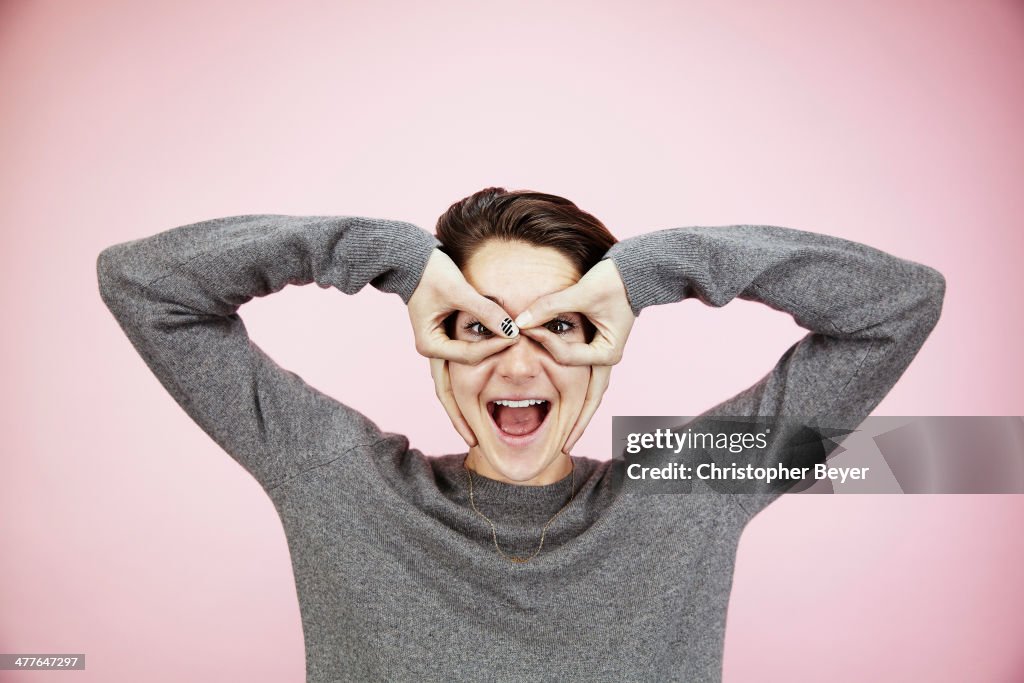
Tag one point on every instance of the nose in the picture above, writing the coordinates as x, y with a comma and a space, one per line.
521, 362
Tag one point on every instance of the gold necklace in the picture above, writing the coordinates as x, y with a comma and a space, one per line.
543, 531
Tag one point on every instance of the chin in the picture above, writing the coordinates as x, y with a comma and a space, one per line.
518, 468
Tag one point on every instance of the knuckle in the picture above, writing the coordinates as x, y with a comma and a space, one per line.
542, 308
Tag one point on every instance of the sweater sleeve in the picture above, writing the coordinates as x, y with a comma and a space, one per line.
867, 312
176, 295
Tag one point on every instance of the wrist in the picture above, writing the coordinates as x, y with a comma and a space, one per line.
405, 250
654, 266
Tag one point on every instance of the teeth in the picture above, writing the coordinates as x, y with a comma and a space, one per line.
521, 404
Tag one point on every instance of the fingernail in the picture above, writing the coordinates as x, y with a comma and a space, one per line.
524, 319
509, 328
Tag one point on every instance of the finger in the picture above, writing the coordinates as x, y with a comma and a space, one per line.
599, 378
547, 307
465, 352
493, 316
443, 389
569, 353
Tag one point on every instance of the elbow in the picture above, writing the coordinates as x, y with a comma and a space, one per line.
112, 274
931, 286
106, 270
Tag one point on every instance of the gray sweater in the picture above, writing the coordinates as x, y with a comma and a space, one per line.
397, 577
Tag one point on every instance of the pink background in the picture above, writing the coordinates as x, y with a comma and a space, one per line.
126, 534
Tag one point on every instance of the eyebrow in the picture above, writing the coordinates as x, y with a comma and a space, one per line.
498, 301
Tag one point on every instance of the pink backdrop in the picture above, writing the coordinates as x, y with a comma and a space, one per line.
126, 534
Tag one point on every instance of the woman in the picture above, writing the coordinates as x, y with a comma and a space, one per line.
514, 560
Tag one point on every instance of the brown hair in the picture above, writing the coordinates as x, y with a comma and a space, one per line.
543, 220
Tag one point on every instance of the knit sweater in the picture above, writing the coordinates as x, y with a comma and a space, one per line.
397, 576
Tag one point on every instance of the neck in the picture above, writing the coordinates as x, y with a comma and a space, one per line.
556, 470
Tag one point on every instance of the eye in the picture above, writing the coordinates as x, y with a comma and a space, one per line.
477, 329
560, 326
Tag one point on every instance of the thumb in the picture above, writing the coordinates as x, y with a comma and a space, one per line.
547, 307
489, 313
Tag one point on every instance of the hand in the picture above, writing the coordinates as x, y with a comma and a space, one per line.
599, 376
443, 389
600, 295
443, 290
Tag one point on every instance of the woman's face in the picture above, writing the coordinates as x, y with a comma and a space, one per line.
519, 443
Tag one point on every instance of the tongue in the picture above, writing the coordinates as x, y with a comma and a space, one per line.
518, 421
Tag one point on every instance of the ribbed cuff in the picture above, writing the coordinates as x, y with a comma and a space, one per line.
402, 251
653, 267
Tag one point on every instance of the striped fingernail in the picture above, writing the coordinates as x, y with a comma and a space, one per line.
509, 328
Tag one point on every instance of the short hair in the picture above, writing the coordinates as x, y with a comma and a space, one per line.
536, 218
543, 220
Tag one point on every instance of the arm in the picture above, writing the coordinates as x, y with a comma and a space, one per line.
867, 312
176, 295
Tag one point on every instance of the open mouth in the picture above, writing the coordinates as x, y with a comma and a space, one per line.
518, 418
